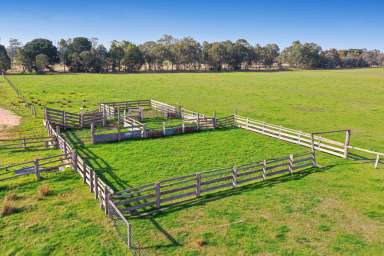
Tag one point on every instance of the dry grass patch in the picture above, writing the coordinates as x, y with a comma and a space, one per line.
43, 191
8, 208
11, 197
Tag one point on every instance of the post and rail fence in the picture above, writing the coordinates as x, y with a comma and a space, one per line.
166, 193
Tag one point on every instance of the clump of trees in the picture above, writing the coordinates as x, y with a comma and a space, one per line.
5, 61
82, 54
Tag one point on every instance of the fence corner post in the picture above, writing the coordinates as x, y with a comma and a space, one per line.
346, 144
314, 161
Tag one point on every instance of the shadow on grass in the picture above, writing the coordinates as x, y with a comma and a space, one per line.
98, 164
202, 200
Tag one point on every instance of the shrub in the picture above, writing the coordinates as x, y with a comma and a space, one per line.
8, 208
43, 191
200, 243
11, 197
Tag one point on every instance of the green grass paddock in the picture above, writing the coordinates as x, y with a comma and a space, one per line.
337, 210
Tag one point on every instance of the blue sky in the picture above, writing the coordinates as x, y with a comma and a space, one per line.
337, 23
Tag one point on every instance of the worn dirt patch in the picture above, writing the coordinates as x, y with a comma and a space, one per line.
8, 119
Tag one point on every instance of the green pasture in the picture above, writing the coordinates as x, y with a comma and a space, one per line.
337, 209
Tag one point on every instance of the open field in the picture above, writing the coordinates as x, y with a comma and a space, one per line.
337, 210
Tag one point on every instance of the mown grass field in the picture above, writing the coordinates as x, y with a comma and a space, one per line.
337, 210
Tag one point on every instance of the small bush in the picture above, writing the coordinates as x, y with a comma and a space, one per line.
200, 243
8, 208
11, 197
43, 191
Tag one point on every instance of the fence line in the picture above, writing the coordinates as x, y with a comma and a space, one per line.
30, 106
96, 185
28, 143
298, 137
167, 193
36, 167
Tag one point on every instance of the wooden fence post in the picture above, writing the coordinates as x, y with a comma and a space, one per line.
96, 187
290, 163
144, 131
104, 116
198, 121
84, 172
377, 161
346, 144
234, 176
129, 236
183, 127
157, 192
264, 169
164, 131
91, 180
198, 184
81, 116
24, 143
74, 160
312, 142
93, 133
37, 169
106, 201
314, 163
64, 119
214, 120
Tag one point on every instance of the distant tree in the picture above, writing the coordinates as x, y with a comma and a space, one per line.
216, 55
80, 44
269, 54
133, 58
299, 55
188, 53
42, 62
13, 45
330, 59
40, 46
149, 54
86, 61
371, 58
5, 61
100, 58
22, 60
116, 55
63, 51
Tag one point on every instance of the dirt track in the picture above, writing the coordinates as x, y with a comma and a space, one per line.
8, 119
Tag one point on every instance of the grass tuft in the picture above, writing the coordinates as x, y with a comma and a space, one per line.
8, 208
11, 197
200, 243
43, 191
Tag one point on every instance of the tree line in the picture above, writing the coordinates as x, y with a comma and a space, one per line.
82, 54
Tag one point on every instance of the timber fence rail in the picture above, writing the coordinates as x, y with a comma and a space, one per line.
31, 107
169, 192
294, 136
73, 120
35, 167
28, 143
